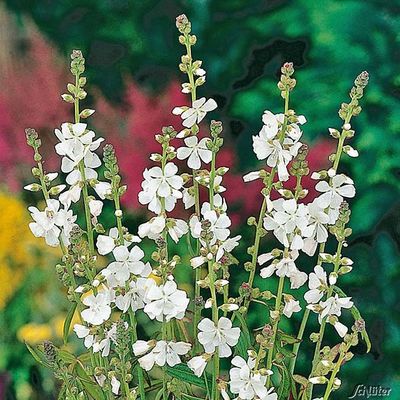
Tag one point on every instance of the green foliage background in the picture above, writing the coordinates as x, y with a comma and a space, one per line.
243, 43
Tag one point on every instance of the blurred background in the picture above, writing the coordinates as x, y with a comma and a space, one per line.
132, 55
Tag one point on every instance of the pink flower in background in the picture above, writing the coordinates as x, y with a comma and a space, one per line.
32, 99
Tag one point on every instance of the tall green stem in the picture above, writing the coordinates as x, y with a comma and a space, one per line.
278, 302
81, 167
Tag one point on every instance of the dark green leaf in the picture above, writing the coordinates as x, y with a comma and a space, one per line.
184, 373
67, 322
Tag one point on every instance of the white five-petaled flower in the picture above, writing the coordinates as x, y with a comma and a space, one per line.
159, 183
196, 113
177, 228
227, 246
135, 294
74, 139
161, 353
317, 283
332, 194
219, 224
221, 336
195, 152
153, 228
333, 305
247, 383
126, 262
99, 308
316, 232
48, 223
83, 332
165, 302
288, 221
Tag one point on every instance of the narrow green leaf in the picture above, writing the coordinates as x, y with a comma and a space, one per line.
38, 356
67, 322
184, 373
356, 315
91, 388
244, 343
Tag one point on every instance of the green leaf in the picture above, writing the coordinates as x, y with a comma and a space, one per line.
244, 343
286, 382
91, 388
356, 315
67, 322
38, 356
66, 356
184, 373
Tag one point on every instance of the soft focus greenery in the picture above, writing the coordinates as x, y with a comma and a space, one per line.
243, 44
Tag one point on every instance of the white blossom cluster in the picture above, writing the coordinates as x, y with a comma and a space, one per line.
195, 332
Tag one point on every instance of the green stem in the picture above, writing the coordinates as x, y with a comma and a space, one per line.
323, 322
81, 167
334, 373
278, 302
134, 337
296, 346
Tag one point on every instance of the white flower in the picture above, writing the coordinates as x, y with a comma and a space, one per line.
102, 189
251, 176
83, 332
110, 336
334, 305
126, 263
196, 113
316, 232
177, 228
248, 384
195, 152
48, 222
99, 308
106, 244
115, 385
273, 151
95, 207
188, 198
317, 284
72, 195
227, 246
135, 295
219, 224
287, 222
222, 336
198, 364
291, 306
74, 138
158, 184
196, 262
342, 186
284, 267
162, 353
166, 301
153, 228
340, 328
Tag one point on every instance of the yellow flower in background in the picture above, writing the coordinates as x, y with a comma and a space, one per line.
15, 241
35, 333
